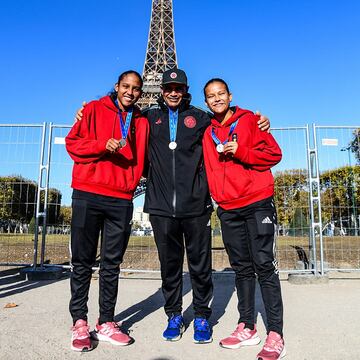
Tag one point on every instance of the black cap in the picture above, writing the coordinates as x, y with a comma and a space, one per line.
174, 76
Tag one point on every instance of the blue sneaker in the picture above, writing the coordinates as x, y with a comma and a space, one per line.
174, 329
202, 331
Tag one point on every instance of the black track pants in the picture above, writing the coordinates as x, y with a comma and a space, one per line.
248, 235
92, 213
170, 234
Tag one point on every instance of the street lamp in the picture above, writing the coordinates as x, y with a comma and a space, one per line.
348, 148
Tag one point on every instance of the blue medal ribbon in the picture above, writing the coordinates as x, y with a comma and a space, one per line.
216, 139
124, 126
173, 121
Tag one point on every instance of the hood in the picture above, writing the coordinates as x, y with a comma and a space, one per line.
109, 103
237, 113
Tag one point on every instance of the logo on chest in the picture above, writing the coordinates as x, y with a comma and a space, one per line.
190, 122
158, 121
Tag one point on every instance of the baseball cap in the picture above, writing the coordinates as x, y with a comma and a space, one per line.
174, 76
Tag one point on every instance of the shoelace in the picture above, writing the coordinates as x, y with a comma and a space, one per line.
175, 322
81, 332
274, 345
111, 328
242, 335
201, 325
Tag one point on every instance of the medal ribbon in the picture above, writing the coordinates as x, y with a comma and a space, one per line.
216, 139
173, 121
124, 126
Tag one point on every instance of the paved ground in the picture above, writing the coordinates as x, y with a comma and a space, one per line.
322, 321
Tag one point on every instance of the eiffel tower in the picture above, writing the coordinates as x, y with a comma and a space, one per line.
160, 53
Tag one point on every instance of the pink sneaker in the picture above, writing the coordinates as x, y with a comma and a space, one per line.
241, 337
274, 347
111, 332
80, 339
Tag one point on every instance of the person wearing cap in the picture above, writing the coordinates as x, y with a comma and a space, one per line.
178, 201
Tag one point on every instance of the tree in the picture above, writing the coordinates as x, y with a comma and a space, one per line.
65, 215
299, 225
18, 199
355, 145
32, 226
291, 193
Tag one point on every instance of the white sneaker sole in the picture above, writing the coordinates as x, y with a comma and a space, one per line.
203, 341
101, 337
282, 355
81, 350
253, 341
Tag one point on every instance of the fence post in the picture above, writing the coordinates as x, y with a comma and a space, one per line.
46, 191
38, 213
315, 202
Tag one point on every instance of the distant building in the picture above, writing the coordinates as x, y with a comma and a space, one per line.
141, 218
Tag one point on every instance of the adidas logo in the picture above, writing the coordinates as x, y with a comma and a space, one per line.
266, 221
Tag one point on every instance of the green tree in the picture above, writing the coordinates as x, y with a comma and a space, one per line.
32, 226
65, 215
291, 193
355, 145
299, 225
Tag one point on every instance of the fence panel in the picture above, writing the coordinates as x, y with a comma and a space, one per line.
141, 253
291, 175
338, 154
20, 148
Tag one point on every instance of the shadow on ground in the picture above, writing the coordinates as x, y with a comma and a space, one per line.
224, 287
13, 282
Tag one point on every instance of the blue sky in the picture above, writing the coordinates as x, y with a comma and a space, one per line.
296, 61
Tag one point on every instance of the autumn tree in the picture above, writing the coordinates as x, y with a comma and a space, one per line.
355, 145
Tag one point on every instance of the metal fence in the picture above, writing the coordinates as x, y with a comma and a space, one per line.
316, 185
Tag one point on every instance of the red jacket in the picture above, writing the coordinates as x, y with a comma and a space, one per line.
96, 170
239, 180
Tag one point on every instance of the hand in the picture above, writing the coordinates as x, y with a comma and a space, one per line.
79, 114
230, 147
112, 145
263, 123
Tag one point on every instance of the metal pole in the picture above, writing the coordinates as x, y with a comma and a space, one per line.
46, 188
38, 198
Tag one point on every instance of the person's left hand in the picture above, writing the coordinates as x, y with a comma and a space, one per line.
230, 147
264, 122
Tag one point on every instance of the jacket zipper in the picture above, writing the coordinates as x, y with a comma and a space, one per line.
174, 177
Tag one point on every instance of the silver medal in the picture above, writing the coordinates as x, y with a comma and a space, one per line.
220, 148
172, 145
122, 142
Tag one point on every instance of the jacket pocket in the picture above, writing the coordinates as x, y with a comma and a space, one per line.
230, 182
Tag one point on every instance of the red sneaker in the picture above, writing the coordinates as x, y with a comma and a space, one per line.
241, 337
80, 339
111, 332
274, 347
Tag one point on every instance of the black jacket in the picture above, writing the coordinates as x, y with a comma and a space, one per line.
176, 183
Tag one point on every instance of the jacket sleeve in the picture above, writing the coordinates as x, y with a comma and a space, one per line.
81, 142
263, 152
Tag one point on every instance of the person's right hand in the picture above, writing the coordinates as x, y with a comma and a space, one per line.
79, 114
112, 145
